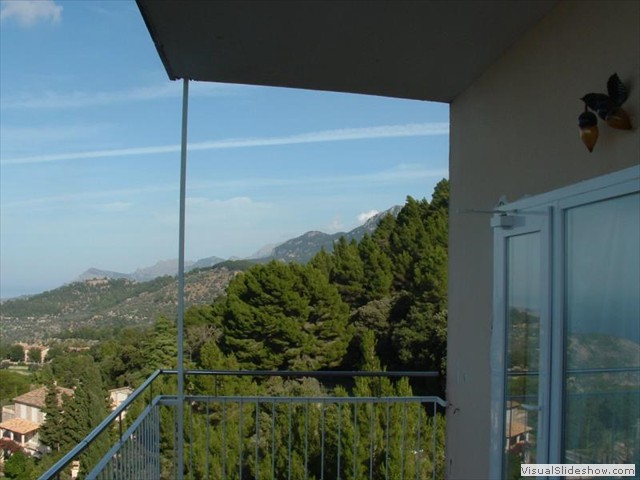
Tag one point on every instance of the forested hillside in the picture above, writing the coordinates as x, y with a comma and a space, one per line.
97, 308
392, 283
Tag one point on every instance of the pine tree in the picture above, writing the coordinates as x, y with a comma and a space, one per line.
347, 272
83, 412
323, 261
376, 270
408, 242
280, 316
51, 431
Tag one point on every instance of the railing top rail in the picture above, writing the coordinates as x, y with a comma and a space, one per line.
304, 399
310, 373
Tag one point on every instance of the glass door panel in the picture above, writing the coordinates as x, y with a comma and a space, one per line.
522, 362
602, 340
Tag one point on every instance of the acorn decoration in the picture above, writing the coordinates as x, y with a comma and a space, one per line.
608, 107
588, 123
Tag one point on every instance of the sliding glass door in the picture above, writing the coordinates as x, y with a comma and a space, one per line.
521, 344
602, 322
566, 328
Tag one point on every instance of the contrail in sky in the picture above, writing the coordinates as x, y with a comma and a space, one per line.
386, 131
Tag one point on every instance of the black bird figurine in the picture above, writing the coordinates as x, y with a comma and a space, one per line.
609, 106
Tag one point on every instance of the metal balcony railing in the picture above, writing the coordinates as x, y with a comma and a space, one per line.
325, 425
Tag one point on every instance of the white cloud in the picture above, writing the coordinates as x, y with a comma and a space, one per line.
398, 175
29, 12
235, 203
27, 140
115, 207
336, 225
345, 134
202, 212
81, 99
364, 216
69, 198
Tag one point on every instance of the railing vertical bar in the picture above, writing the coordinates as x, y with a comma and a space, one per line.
155, 449
130, 456
273, 439
240, 437
144, 449
355, 440
322, 419
404, 431
138, 448
371, 438
290, 438
133, 456
224, 439
152, 446
144, 454
126, 458
386, 446
419, 447
116, 466
339, 439
141, 448
434, 424
306, 440
208, 435
257, 467
191, 442
175, 445
158, 460
122, 460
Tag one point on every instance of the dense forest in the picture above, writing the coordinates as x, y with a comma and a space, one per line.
376, 304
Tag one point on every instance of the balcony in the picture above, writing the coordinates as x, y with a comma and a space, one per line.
292, 425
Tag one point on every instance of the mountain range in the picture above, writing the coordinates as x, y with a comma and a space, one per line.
104, 300
300, 249
161, 268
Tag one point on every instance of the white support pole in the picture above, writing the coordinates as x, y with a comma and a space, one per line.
183, 187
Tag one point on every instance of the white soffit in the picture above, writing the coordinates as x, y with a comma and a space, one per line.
427, 50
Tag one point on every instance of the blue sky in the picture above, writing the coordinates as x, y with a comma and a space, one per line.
89, 152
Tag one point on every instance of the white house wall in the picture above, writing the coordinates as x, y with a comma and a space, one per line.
514, 132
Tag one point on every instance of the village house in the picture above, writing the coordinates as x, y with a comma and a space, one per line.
21, 421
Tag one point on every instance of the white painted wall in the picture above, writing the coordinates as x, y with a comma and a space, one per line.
514, 132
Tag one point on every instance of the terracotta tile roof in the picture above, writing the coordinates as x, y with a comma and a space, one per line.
517, 428
19, 425
36, 397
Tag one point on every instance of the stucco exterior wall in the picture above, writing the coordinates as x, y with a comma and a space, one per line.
514, 132
29, 412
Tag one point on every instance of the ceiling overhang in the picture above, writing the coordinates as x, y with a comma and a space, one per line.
426, 50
